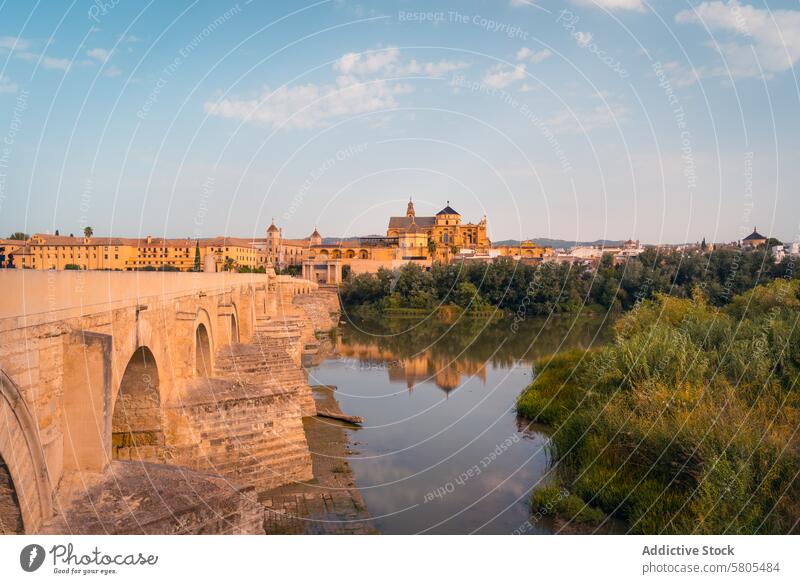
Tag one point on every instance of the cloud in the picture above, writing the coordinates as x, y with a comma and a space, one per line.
99, 54
501, 76
761, 41
431, 69
21, 49
580, 122
6, 85
14, 43
112, 71
582, 38
355, 91
45, 61
310, 105
614, 4
366, 63
681, 76
525, 54
387, 62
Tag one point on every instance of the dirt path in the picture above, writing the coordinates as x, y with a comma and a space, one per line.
330, 503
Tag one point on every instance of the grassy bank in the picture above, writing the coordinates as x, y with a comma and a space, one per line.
687, 422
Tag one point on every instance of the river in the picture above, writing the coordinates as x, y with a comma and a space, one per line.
441, 449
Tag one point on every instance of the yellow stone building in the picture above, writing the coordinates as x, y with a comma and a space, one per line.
444, 230
8, 251
58, 252
525, 251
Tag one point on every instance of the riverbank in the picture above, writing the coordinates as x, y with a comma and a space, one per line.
685, 423
330, 503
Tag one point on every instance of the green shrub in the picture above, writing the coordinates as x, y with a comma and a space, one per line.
686, 422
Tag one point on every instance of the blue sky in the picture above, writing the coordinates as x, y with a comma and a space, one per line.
663, 121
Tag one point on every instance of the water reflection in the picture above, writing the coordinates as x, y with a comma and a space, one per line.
441, 450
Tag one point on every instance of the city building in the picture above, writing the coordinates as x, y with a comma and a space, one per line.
754, 240
409, 238
447, 234
592, 254
59, 252
8, 252
526, 251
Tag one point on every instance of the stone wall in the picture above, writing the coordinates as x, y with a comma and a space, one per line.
66, 346
321, 308
250, 433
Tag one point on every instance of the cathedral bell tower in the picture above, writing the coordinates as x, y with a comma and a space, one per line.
410, 209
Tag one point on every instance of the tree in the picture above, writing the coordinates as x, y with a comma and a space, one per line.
197, 266
19, 236
229, 264
703, 245
88, 232
467, 296
772, 242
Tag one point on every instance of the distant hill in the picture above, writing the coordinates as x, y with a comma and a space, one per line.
335, 240
556, 243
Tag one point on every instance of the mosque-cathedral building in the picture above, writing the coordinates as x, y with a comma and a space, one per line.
409, 238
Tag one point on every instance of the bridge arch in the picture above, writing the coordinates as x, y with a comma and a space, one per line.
234, 329
202, 351
10, 512
234, 333
203, 345
23, 507
136, 426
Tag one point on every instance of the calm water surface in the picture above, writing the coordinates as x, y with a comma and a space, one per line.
441, 449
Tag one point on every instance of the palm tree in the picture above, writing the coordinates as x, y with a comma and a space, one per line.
88, 232
431, 247
229, 264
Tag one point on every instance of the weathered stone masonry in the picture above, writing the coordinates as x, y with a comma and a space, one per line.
141, 373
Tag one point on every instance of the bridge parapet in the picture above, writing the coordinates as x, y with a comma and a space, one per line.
40, 296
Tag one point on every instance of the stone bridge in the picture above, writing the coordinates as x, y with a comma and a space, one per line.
152, 402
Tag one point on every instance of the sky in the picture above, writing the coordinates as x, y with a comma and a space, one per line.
656, 120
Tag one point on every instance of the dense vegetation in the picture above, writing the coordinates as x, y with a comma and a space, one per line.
549, 287
687, 421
